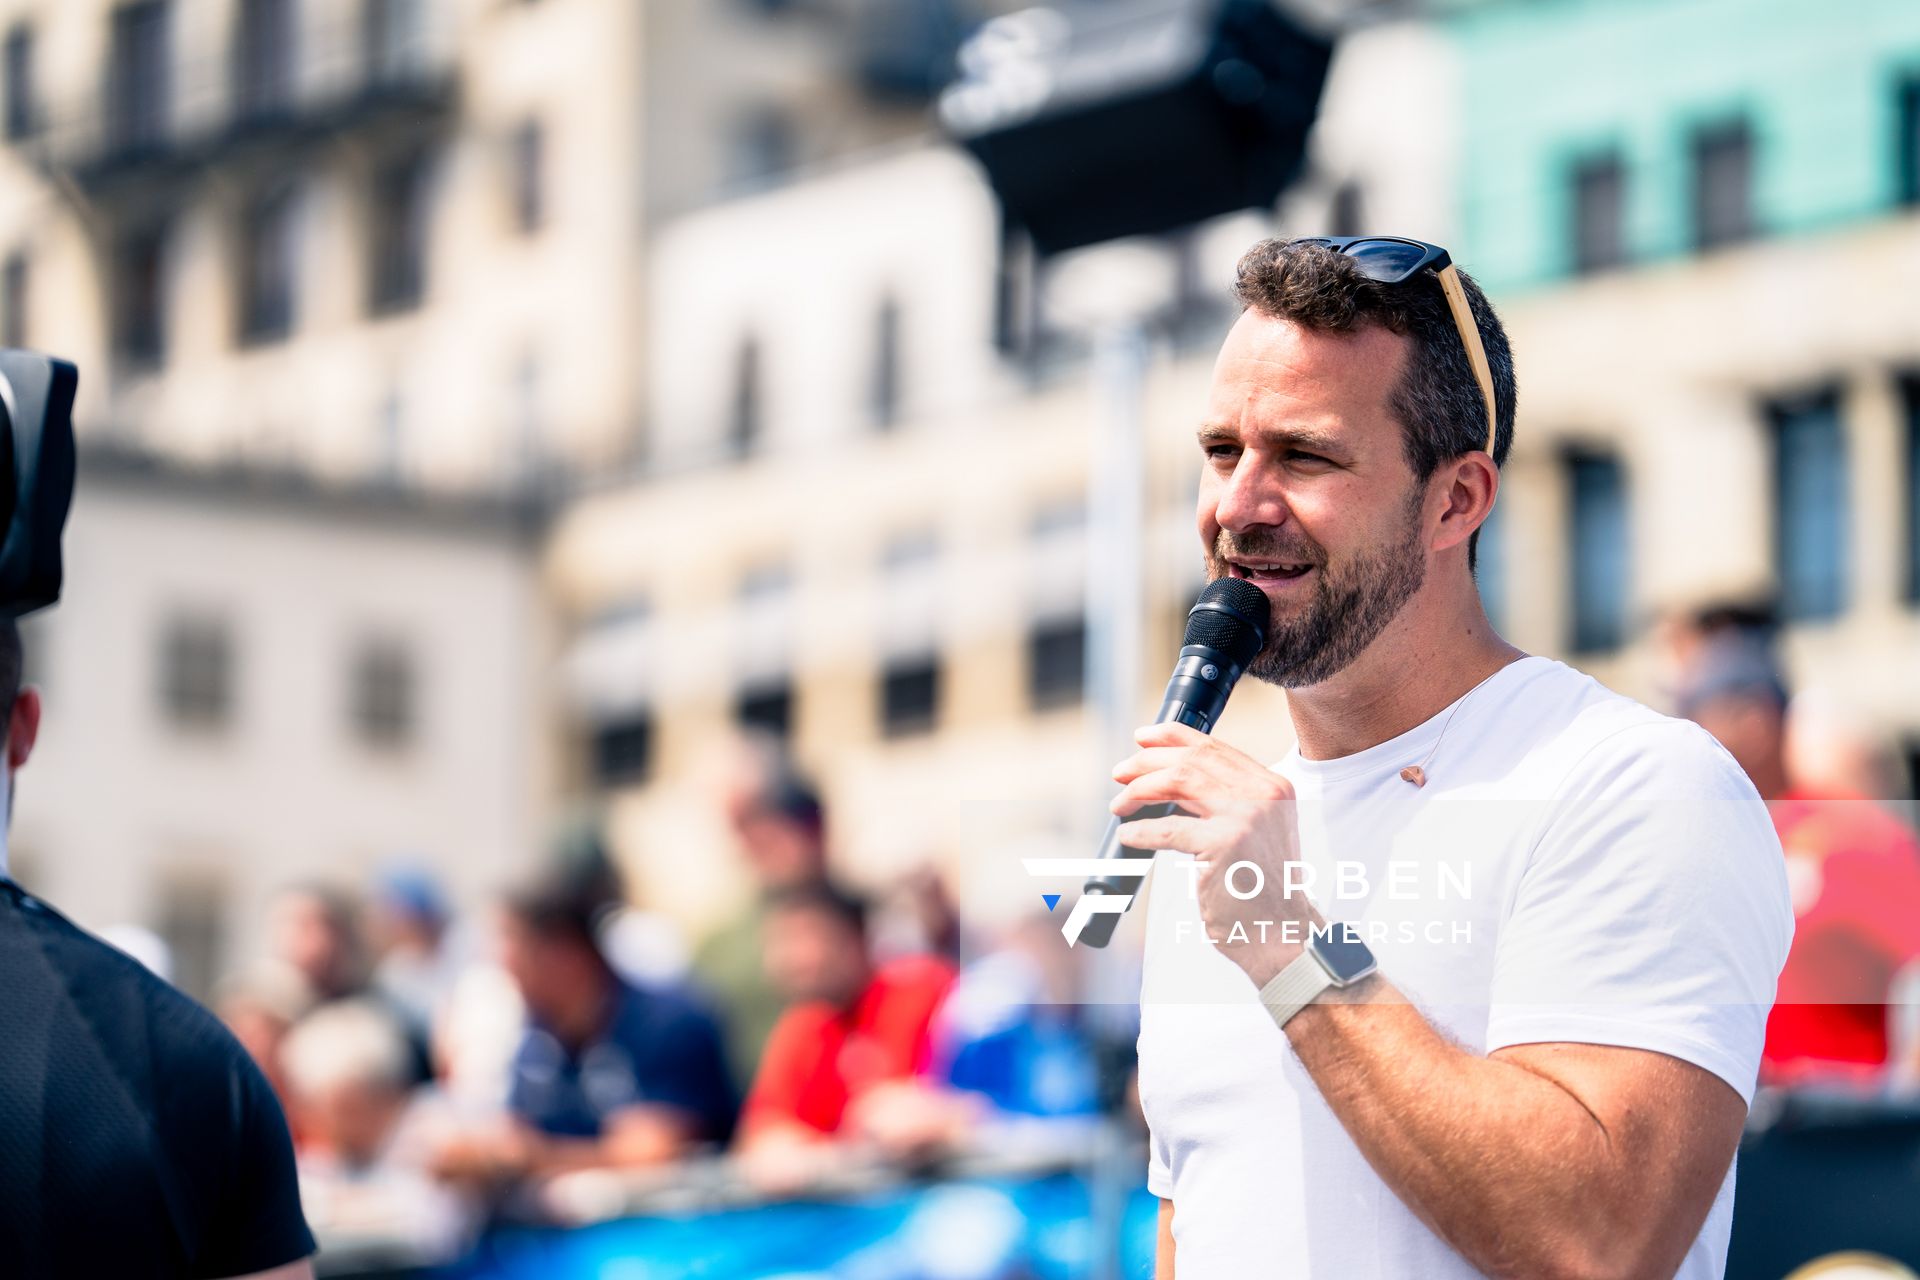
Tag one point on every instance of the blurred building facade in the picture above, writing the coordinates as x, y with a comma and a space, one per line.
871, 438
815, 430
1707, 265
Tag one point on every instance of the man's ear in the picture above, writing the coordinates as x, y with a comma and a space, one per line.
1470, 483
23, 726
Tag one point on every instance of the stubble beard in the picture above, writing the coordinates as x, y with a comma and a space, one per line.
1348, 610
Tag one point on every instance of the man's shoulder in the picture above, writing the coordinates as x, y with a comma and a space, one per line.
1571, 721
126, 1007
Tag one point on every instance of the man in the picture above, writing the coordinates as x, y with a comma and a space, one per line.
846, 1058
137, 1138
1567, 912
608, 1074
780, 824
1853, 869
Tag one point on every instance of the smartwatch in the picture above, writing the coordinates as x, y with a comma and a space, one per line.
1334, 957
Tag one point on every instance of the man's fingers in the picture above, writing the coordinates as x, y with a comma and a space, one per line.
1168, 733
1186, 835
1142, 762
1163, 786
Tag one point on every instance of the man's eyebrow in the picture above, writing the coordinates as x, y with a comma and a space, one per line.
1212, 433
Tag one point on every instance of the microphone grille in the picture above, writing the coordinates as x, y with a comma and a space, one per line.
1231, 618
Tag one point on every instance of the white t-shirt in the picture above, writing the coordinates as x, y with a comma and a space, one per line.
1577, 868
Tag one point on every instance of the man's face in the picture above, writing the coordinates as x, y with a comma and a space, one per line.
811, 954
1305, 490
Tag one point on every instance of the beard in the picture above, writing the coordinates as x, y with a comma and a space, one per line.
1348, 610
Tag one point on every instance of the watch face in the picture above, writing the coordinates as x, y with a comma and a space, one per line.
1346, 957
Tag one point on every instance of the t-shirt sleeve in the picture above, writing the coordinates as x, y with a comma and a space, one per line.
1653, 913
1159, 1168
259, 1225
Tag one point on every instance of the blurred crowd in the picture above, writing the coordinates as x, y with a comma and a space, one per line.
440, 1073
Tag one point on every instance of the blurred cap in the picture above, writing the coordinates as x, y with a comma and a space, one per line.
411, 892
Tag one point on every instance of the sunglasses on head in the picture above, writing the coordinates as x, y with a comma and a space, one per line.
1396, 260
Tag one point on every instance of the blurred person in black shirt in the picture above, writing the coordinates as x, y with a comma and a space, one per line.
137, 1138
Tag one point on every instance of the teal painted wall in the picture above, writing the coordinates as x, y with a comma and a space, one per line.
1548, 82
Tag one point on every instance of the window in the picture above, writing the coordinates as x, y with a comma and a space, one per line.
20, 87
137, 94
13, 301
391, 41
767, 708
910, 696
622, 749
1489, 555
1906, 160
196, 672
139, 294
529, 162
909, 637
1057, 631
263, 60
1722, 185
1810, 505
382, 694
191, 919
268, 260
764, 653
1057, 662
1598, 543
399, 230
1910, 389
885, 396
1599, 214
743, 419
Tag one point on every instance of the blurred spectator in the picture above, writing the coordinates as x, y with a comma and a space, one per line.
918, 916
363, 1168
1853, 869
607, 1074
781, 827
847, 1058
414, 971
644, 948
313, 930
1014, 1031
260, 1007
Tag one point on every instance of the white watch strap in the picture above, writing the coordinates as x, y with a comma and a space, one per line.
1295, 987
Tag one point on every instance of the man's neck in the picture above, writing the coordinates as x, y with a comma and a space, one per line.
1425, 660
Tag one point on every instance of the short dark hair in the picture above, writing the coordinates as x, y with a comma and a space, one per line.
825, 898
1438, 401
552, 907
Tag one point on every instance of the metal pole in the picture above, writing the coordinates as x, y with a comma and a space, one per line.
1115, 605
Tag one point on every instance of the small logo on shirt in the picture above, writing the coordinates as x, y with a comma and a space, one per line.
1086, 908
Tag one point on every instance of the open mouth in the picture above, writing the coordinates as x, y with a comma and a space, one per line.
1258, 571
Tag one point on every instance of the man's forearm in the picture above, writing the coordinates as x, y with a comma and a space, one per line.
1505, 1165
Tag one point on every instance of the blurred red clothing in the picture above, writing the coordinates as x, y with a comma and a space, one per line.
1854, 871
820, 1058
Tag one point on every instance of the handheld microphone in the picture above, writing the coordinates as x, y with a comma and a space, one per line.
1226, 630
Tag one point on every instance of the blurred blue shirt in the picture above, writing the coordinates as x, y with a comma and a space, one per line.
660, 1048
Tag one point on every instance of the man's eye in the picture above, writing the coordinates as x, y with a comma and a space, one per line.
1301, 455
1223, 452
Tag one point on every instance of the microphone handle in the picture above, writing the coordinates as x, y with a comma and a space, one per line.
1179, 707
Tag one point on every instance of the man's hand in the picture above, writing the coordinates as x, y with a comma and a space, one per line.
1233, 810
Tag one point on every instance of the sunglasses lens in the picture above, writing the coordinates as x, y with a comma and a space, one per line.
1388, 261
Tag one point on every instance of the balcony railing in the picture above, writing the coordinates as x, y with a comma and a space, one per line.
148, 118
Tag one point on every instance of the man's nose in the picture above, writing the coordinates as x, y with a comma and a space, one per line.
1250, 498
